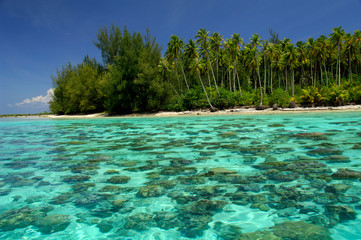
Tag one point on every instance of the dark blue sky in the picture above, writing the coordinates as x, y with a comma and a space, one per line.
37, 36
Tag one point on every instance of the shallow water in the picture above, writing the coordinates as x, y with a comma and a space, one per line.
154, 178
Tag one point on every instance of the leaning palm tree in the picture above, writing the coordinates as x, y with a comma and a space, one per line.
202, 40
163, 68
337, 36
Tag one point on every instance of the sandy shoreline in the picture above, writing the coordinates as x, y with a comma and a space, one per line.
241, 110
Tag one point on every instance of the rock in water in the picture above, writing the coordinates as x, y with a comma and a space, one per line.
275, 107
53, 223
301, 231
292, 104
118, 179
19, 218
261, 107
150, 191
221, 171
346, 174
340, 213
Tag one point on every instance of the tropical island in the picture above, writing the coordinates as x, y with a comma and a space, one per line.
211, 72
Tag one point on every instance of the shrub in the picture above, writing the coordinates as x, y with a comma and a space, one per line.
247, 98
336, 96
355, 94
225, 99
279, 96
312, 96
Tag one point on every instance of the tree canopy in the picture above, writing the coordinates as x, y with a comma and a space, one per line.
209, 71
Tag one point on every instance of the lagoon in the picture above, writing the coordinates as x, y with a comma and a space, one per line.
189, 177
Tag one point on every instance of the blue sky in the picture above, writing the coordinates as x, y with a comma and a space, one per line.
39, 36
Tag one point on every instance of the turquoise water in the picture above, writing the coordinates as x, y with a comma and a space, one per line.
192, 177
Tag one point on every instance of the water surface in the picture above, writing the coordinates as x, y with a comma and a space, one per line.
195, 177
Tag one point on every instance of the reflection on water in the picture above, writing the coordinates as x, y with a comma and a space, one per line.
290, 176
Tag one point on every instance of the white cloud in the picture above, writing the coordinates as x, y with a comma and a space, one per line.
39, 99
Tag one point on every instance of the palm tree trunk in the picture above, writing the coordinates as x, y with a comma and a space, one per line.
259, 79
350, 68
279, 81
324, 66
265, 73
303, 72
315, 78
234, 75
312, 80
332, 72
321, 74
339, 64
214, 78
209, 79
229, 75
173, 87
176, 73
205, 92
239, 85
271, 80
184, 76
286, 81
222, 81
293, 82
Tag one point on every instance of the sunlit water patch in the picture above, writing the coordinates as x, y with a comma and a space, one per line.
287, 176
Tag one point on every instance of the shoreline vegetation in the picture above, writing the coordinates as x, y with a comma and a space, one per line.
235, 111
210, 71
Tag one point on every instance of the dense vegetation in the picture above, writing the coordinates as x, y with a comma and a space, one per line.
210, 71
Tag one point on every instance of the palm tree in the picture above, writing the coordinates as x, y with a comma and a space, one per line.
202, 40
163, 68
311, 57
337, 36
265, 45
271, 54
323, 48
255, 42
234, 46
302, 58
278, 61
357, 35
291, 59
174, 53
350, 51
215, 44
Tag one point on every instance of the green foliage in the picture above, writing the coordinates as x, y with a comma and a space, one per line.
280, 97
312, 96
336, 96
355, 94
215, 72
194, 99
134, 83
77, 90
225, 99
109, 43
331, 96
247, 98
